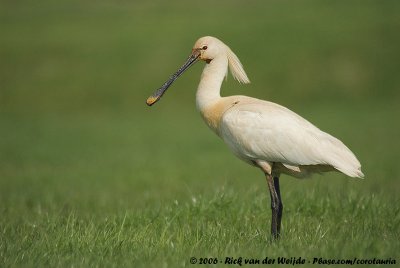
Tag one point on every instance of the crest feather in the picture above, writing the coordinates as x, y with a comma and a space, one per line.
236, 67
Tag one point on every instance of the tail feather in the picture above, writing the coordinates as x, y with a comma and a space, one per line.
351, 172
342, 158
346, 162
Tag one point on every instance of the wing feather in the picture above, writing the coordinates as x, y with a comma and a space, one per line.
267, 131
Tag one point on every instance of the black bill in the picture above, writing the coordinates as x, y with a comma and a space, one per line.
159, 92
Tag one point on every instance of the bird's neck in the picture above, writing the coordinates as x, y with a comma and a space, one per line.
208, 91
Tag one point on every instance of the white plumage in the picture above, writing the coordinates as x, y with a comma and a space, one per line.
261, 130
262, 133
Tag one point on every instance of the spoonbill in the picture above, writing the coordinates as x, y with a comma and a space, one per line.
262, 133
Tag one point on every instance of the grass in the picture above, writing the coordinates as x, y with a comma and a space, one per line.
89, 176
119, 196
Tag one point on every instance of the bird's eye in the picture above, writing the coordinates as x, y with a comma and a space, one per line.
204, 47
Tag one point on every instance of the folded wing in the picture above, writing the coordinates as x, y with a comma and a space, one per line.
267, 131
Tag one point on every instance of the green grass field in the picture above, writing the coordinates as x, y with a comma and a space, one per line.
91, 176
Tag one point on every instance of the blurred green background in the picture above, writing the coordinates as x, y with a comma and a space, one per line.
76, 135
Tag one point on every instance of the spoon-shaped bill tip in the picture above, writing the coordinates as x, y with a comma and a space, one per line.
151, 100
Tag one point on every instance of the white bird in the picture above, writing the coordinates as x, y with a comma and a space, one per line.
263, 134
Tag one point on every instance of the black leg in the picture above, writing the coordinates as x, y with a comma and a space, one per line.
280, 205
275, 204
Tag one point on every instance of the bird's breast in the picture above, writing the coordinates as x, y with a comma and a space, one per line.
213, 113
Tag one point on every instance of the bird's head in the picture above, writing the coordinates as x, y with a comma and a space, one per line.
207, 49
